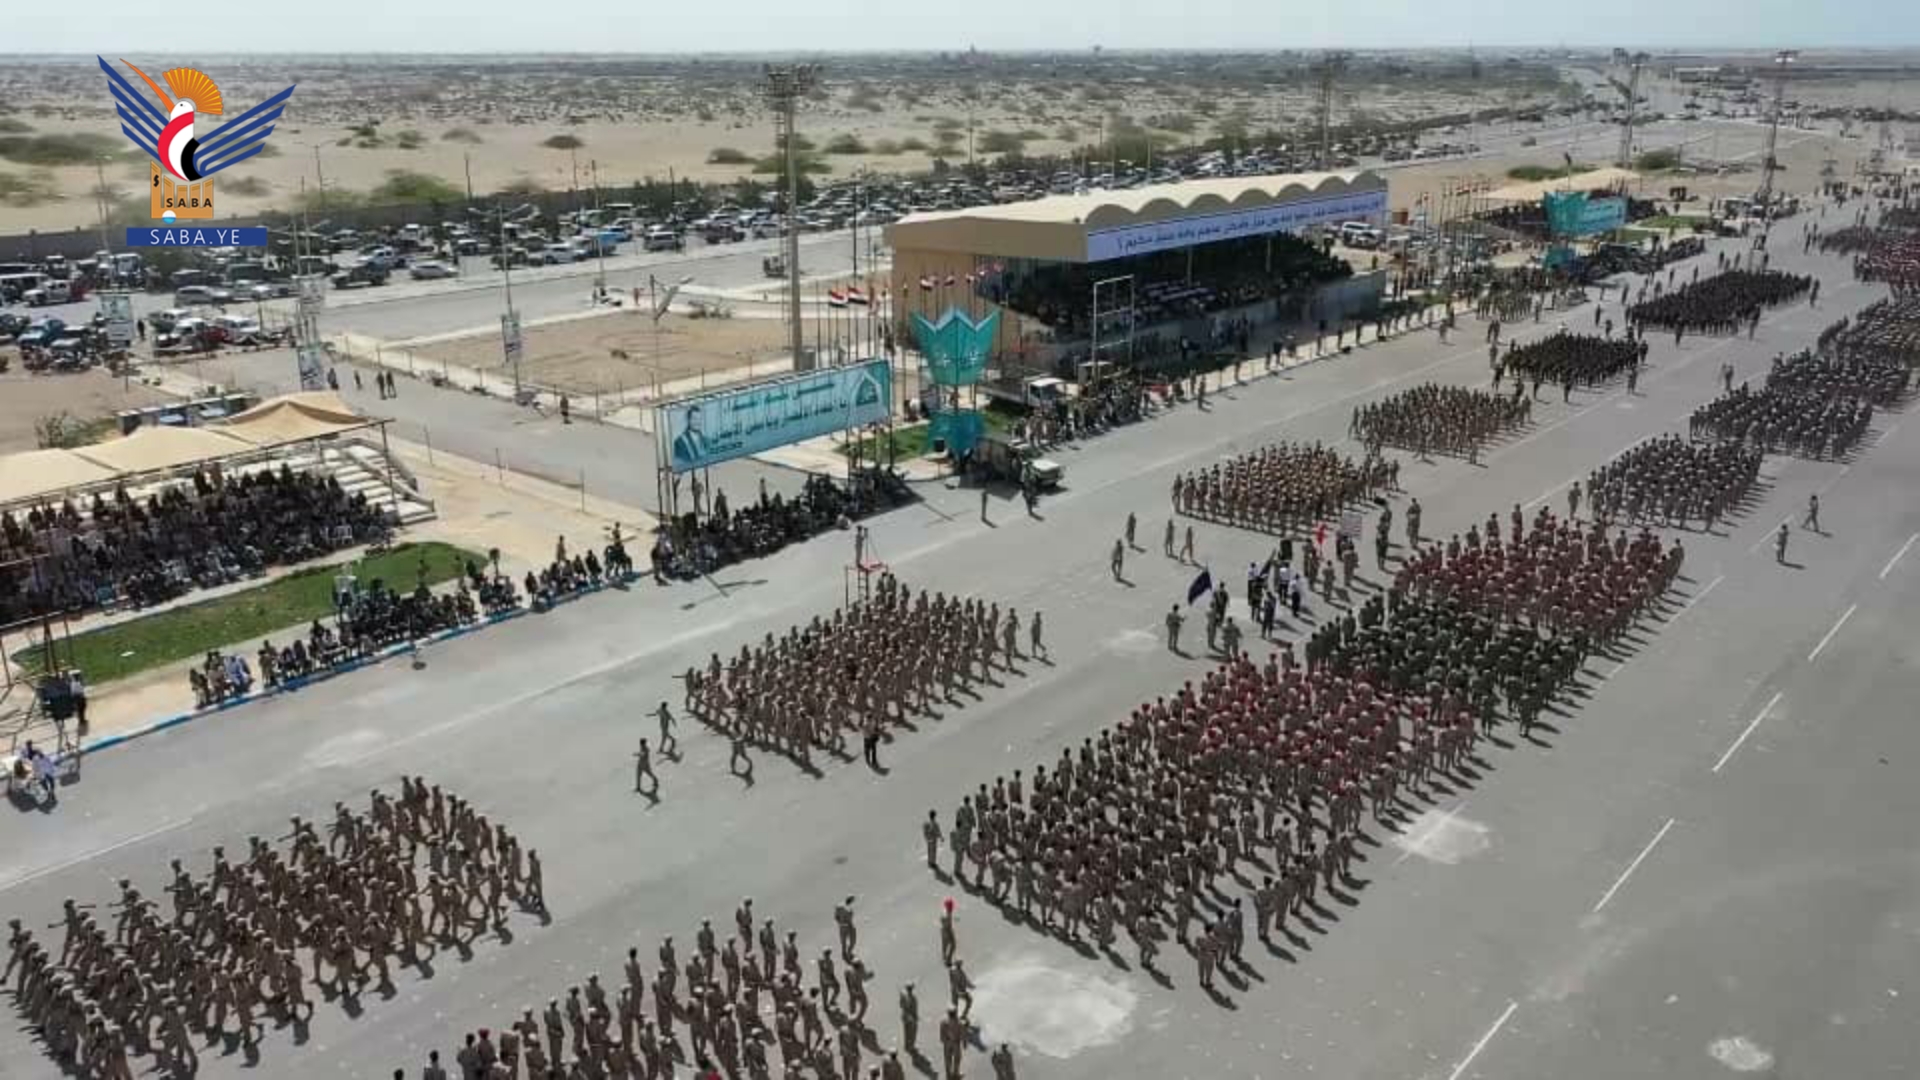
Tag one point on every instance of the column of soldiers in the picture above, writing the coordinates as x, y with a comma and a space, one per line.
1567, 360
1670, 481
1256, 775
1800, 422
1550, 573
1723, 303
749, 1003
230, 949
1283, 486
1881, 380
1432, 418
1896, 263
1262, 773
868, 668
1887, 328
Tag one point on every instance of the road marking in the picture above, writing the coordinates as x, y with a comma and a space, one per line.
1724, 758
1684, 608
94, 854
1769, 534
1835, 478
1432, 831
1632, 866
1842, 621
1484, 1040
1897, 556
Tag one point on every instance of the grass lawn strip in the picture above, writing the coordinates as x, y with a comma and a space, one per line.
292, 602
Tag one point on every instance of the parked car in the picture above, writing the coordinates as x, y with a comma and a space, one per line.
237, 329
270, 290
200, 294
555, 254
363, 273
429, 270
513, 256
660, 238
41, 333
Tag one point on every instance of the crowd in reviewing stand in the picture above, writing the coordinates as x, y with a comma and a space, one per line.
115, 549
1172, 285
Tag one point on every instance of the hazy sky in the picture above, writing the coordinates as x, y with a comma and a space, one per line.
424, 26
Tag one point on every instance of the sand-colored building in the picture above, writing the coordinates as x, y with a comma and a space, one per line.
967, 258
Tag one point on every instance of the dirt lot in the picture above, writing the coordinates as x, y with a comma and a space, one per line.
87, 396
583, 355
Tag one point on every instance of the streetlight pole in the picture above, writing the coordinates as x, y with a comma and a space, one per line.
784, 87
319, 179
1764, 197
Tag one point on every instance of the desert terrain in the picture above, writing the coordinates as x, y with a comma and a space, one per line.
581, 123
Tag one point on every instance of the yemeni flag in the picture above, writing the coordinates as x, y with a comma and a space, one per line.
856, 296
836, 298
926, 284
950, 281
1201, 586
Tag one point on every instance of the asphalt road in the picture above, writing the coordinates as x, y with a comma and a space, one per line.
1707, 867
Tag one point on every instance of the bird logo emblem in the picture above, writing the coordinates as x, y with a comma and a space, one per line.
184, 157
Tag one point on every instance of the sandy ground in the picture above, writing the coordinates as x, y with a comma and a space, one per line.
621, 144
579, 355
90, 395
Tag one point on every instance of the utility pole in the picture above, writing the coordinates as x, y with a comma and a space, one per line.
105, 199
599, 248
468, 155
1636, 63
319, 178
1332, 65
1770, 162
784, 87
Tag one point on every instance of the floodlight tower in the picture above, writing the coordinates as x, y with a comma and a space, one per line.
1770, 164
784, 87
1635, 62
1332, 64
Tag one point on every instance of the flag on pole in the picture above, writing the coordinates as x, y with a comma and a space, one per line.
1201, 586
1320, 535
926, 285
836, 298
856, 296
951, 282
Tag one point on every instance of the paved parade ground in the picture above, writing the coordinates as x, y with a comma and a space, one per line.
1704, 867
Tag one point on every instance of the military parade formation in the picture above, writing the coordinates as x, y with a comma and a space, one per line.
257, 940
870, 668
1238, 804
1280, 487
1430, 419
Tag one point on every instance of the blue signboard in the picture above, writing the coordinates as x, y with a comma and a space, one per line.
956, 347
1573, 213
1193, 230
713, 428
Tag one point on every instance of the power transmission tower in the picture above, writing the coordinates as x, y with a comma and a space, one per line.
1770, 163
784, 87
1332, 65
